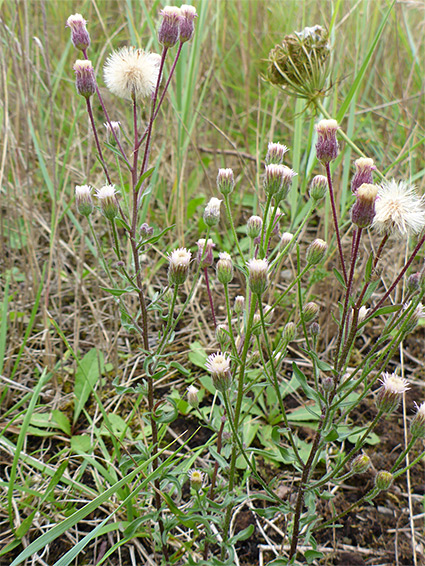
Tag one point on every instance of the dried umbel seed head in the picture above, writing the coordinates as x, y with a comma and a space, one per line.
318, 187
289, 332
219, 366
399, 210
275, 153
316, 251
85, 81
169, 30
413, 283
192, 396
258, 275
253, 226
196, 479
360, 464
300, 64
327, 145
212, 212
222, 334
224, 268
187, 22
83, 199
363, 211
178, 268
383, 480
310, 312
239, 304
390, 393
132, 73
225, 181
417, 426
363, 174
205, 252
108, 201
79, 35
113, 130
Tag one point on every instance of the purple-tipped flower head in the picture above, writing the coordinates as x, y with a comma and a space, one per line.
275, 153
85, 81
79, 35
258, 275
169, 30
225, 181
219, 366
363, 211
363, 174
178, 268
187, 22
390, 393
205, 252
327, 145
278, 180
83, 199
108, 201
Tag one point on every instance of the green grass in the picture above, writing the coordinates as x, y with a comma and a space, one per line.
220, 112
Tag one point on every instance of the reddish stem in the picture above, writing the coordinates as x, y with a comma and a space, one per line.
335, 219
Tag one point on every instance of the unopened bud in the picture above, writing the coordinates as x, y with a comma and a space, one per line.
205, 252
146, 231
178, 268
239, 304
286, 239
187, 23
112, 130
258, 275
360, 464
314, 329
212, 212
413, 283
222, 335
363, 174
327, 144
225, 181
256, 324
289, 332
310, 312
383, 480
219, 366
224, 268
275, 153
79, 35
85, 81
327, 384
390, 393
417, 426
169, 30
192, 396
253, 226
316, 251
108, 201
363, 211
318, 187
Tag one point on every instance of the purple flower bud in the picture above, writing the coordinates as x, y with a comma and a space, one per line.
363, 211
327, 144
363, 174
169, 30
85, 81
187, 24
79, 35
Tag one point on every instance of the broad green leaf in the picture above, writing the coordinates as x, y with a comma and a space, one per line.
86, 376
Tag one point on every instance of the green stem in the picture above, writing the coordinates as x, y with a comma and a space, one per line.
232, 226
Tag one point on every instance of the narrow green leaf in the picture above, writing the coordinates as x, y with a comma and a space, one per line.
86, 376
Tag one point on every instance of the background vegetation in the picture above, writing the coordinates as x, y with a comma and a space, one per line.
221, 112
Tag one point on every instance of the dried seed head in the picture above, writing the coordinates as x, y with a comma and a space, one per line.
363, 174
85, 81
132, 73
390, 393
187, 22
169, 30
275, 153
108, 201
79, 35
178, 268
399, 210
258, 275
212, 212
83, 199
318, 187
225, 181
219, 366
363, 211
